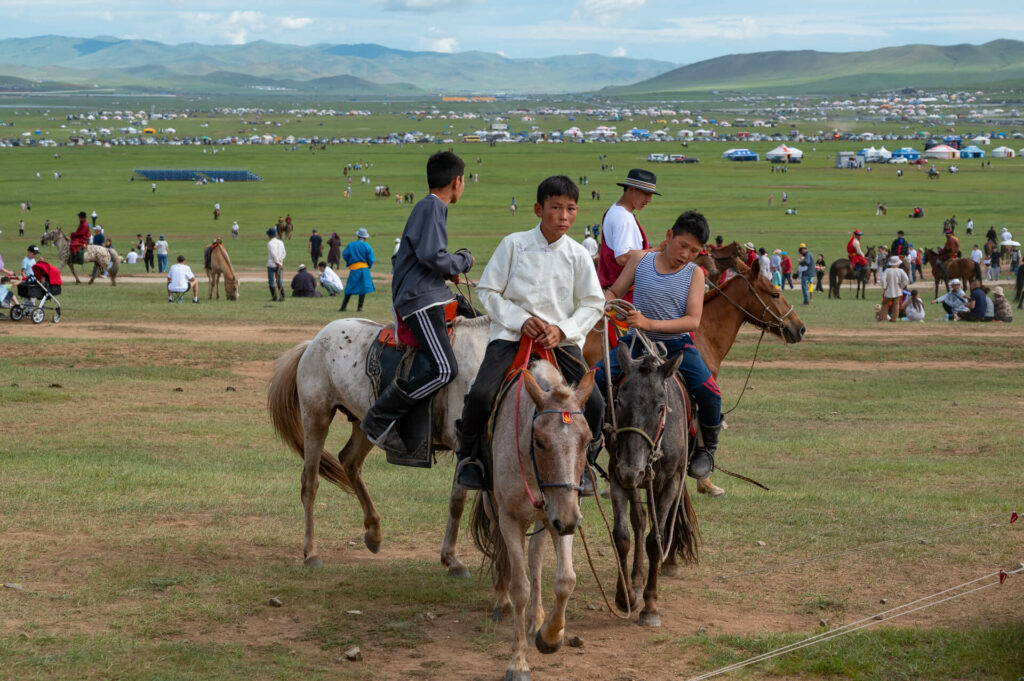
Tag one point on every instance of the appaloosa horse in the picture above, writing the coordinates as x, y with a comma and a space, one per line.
103, 259
539, 453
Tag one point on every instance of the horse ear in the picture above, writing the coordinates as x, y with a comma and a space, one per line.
755, 268
538, 396
626, 362
670, 367
583, 390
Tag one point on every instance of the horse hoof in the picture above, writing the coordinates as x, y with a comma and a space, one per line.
374, 546
670, 570
518, 675
498, 614
649, 619
313, 562
459, 572
546, 648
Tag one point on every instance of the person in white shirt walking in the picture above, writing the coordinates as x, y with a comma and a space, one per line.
275, 264
590, 243
180, 279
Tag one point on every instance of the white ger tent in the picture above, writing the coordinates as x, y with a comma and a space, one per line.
784, 154
942, 151
1003, 152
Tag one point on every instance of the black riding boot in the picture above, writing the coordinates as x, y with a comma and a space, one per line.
344, 303
469, 470
379, 423
280, 292
586, 483
703, 461
273, 293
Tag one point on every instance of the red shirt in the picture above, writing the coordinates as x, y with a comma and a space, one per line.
81, 236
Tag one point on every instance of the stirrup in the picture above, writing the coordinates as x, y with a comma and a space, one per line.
703, 470
470, 473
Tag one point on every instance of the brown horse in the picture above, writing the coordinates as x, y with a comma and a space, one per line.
218, 264
945, 271
842, 270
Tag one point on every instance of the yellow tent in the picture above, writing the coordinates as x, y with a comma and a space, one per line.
149, 131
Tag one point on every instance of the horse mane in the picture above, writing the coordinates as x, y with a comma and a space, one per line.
550, 379
716, 290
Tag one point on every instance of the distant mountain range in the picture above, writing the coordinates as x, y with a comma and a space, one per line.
356, 70
1000, 62
47, 63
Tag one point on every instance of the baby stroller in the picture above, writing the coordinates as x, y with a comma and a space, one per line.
42, 288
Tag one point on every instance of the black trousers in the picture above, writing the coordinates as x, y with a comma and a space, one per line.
429, 329
497, 359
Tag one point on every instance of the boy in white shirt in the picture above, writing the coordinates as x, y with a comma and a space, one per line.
181, 279
541, 284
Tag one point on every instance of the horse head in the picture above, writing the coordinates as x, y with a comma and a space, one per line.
763, 305
230, 287
642, 406
558, 437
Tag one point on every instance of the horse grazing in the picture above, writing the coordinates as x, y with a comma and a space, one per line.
103, 259
649, 450
218, 264
547, 427
963, 269
842, 270
317, 378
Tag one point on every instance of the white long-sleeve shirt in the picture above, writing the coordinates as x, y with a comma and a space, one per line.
275, 252
527, 277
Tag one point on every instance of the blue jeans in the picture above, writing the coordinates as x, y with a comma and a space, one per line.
161, 263
805, 288
699, 382
274, 277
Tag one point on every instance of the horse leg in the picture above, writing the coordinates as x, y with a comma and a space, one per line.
456, 504
513, 536
649, 616
549, 637
624, 598
95, 271
352, 456
535, 610
73, 273
314, 428
639, 521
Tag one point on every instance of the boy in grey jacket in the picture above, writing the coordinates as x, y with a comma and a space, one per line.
419, 294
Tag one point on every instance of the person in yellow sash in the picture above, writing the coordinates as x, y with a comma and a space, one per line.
358, 257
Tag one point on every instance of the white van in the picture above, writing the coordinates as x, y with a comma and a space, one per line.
657, 158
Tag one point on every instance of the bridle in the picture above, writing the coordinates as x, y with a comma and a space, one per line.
775, 323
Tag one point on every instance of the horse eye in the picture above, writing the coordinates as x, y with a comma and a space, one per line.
775, 294
540, 445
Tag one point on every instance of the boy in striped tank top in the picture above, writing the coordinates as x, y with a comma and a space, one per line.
668, 292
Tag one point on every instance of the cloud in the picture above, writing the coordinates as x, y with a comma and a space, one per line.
446, 45
619, 51
605, 12
425, 6
295, 23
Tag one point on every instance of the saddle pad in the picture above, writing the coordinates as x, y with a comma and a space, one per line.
401, 336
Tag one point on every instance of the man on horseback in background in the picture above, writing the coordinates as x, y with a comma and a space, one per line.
419, 296
854, 251
539, 284
80, 239
949, 250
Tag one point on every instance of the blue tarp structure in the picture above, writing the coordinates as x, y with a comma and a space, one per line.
972, 152
161, 175
908, 153
741, 155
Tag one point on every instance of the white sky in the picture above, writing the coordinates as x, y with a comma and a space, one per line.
680, 32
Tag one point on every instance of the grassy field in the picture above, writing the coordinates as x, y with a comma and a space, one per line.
148, 513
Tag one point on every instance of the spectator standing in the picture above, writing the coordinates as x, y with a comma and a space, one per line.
893, 281
912, 265
970, 226
234, 229
275, 264
359, 258
819, 270
1015, 260
766, 264
21, 228
334, 251
805, 269
315, 247
995, 261
161, 248
150, 249
590, 243
786, 267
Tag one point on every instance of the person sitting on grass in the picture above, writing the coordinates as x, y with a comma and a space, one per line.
7, 297
954, 301
668, 292
180, 279
978, 306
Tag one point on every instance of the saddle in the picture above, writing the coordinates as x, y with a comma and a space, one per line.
394, 357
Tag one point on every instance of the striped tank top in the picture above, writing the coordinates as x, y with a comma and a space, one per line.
661, 296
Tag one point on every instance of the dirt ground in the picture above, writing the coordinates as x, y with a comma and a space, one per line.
612, 650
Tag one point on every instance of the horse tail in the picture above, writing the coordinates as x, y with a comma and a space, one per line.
686, 539
487, 538
286, 415
115, 265
832, 281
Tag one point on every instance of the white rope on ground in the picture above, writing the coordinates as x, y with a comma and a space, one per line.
948, 529
892, 613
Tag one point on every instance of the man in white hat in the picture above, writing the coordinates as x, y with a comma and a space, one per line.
954, 300
621, 233
893, 281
